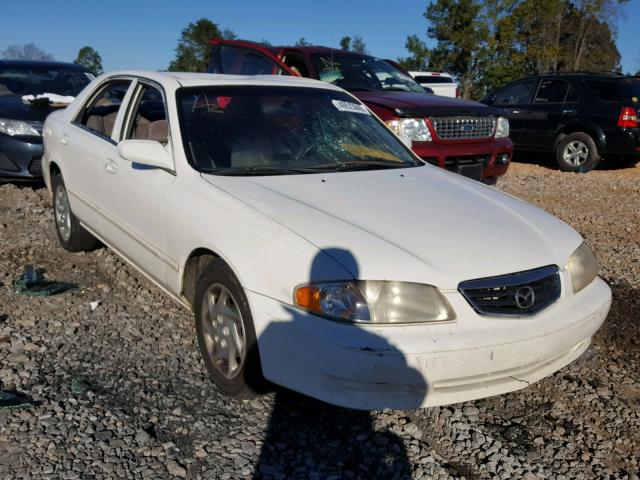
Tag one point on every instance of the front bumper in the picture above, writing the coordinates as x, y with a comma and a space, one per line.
413, 366
20, 157
458, 156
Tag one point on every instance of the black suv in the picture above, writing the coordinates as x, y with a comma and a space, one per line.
580, 117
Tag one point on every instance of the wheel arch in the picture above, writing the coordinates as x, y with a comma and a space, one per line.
591, 129
196, 263
52, 170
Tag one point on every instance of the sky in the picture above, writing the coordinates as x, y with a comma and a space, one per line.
143, 34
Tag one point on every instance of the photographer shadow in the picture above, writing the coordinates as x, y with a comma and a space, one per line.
308, 438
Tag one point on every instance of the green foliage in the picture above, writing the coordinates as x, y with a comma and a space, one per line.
487, 43
345, 43
419, 58
302, 42
89, 58
193, 52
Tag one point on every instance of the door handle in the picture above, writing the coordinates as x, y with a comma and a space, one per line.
64, 140
111, 166
569, 112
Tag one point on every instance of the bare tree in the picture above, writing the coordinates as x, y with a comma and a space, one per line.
28, 51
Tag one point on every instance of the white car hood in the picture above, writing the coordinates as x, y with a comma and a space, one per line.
415, 224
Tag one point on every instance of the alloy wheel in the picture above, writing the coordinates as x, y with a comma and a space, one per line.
576, 153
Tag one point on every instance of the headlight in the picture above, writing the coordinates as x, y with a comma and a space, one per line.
583, 267
374, 302
17, 127
502, 128
415, 129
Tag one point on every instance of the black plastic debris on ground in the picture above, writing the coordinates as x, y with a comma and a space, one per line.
11, 400
33, 283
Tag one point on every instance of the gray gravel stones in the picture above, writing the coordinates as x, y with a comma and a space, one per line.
141, 405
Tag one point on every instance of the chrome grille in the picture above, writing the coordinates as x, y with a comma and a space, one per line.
517, 294
462, 128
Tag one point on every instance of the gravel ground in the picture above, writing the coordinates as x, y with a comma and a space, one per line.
121, 391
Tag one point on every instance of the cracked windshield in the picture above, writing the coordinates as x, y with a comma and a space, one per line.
271, 131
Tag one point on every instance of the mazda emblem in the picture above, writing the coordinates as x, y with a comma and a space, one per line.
525, 297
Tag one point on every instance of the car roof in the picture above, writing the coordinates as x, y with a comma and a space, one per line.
188, 79
320, 49
40, 63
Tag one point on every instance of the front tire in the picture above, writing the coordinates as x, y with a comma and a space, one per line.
577, 152
71, 235
225, 331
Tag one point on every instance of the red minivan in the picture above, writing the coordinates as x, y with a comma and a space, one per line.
466, 137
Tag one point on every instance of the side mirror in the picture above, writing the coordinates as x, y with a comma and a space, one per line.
407, 141
146, 152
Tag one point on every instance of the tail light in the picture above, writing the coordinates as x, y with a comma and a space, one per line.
628, 118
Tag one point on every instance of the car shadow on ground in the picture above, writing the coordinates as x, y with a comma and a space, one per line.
307, 438
548, 161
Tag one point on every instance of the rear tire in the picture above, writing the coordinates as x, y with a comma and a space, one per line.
225, 331
71, 235
577, 152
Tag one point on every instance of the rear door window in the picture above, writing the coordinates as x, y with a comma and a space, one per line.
552, 91
99, 115
606, 90
516, 94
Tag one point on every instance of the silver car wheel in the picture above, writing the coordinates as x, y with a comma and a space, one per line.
62, 213
576, 153
223, 330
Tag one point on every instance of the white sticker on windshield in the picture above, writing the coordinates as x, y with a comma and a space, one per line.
350, 107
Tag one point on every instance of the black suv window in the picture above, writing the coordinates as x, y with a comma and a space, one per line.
606, 90
515, 94
552, 91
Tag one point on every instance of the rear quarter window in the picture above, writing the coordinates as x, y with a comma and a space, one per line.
605, 90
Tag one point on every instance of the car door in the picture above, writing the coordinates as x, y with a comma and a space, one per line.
133, 197
555, 104
515, 100
236, 57
84, 140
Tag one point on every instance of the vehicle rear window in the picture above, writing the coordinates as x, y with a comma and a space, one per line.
430, 79
606, 90
631, 88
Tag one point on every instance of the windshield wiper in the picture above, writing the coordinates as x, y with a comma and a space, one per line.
362, 165
255, 171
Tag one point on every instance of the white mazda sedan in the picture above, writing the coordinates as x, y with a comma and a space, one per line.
314, 248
